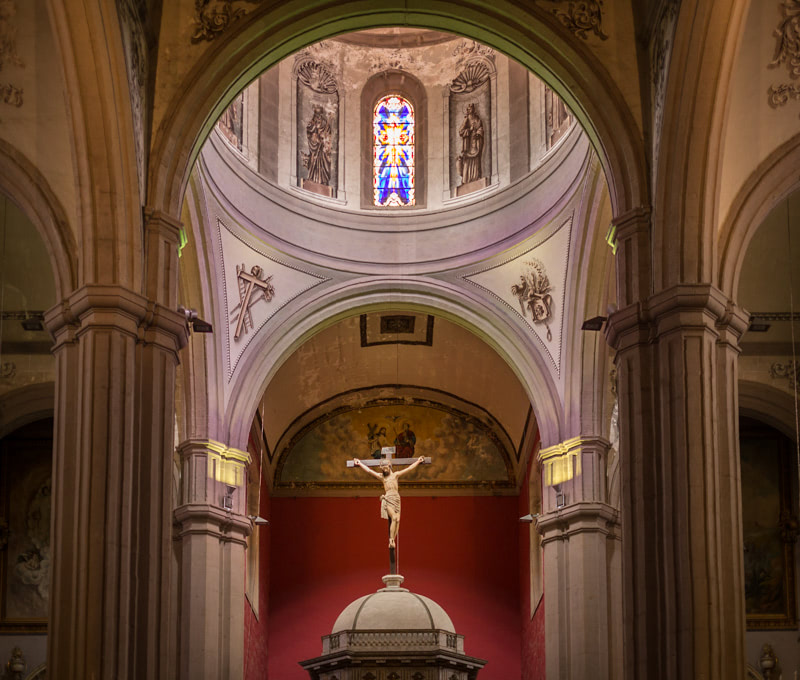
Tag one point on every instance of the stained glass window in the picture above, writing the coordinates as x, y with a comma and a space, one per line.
393, 147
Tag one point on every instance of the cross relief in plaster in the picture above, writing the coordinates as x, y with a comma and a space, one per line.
256, 283
787, 51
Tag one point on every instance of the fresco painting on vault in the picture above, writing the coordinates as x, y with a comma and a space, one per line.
464, 449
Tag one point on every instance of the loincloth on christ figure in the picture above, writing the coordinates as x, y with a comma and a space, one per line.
390, 500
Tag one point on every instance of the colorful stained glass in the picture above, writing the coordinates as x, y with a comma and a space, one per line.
393, 147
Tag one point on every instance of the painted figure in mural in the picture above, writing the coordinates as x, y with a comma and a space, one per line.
318, 158
376, 439
405, 442
471, 133
390, 501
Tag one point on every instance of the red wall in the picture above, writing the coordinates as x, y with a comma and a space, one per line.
256, 631
532, 629
461, 552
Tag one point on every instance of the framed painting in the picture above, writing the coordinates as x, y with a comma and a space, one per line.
25, 470
769, 527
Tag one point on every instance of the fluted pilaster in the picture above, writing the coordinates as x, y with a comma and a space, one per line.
582, 568
679, 463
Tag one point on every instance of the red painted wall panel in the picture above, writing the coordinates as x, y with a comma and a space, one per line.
532, 628
462, 552
256, 630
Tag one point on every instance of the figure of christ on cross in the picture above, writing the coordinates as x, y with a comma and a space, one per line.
390, 501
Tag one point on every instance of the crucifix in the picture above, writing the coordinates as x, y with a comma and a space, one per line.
249, 283
390, 501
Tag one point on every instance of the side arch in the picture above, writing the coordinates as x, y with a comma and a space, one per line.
25, 405
769, 405
265, 356
771, 182
525, 33
27, 187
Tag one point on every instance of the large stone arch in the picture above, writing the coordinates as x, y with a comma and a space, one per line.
26, 405
27, 187
768, 404
525, 33
271, 349
770, 183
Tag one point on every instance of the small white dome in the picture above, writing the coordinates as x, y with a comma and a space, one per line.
393, 608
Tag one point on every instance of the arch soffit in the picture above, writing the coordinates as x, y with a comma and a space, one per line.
27, 187
769, 405
25, 405
270, 350
522, 33
770, 183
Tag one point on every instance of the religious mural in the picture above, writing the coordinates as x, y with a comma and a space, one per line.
317, 131
470, 128
769, 527
25, 535
465, 450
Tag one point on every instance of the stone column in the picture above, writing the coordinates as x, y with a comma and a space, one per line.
582, 569
213, 533
680, 486
116, 353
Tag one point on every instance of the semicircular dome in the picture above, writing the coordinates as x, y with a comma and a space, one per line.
393, 609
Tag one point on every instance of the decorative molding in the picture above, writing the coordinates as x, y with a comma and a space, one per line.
580, 16
790, 371
213, 17
467, 49
472, 76
775, 316
8, 369
11, 94
318, 76
787, 51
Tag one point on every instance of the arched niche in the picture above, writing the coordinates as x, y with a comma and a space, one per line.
408, 86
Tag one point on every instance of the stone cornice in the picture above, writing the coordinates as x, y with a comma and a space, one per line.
115, 307
573, 445
576, 518
203, 446
210, 520
699, 306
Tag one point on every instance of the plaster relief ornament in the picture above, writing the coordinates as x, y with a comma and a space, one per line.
533, 292
471, 78
318, 159
790, 371
213, 17
252, 288
9, 93
580, 17
317, 76
787, 51
471, 133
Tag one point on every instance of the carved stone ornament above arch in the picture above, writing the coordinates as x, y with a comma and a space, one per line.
525, 33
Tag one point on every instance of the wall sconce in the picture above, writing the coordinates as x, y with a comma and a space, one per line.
258, 521
196, 324
593, 324
561, 497
227, 499
528, 519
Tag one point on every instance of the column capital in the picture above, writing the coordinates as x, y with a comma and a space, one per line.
579, 518
116, 307
574, 471
210, 520
700, 306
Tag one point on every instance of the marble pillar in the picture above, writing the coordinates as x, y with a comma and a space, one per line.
213, 530
680, 484
582, 563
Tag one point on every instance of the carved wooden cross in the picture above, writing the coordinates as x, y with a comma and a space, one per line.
247, 284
